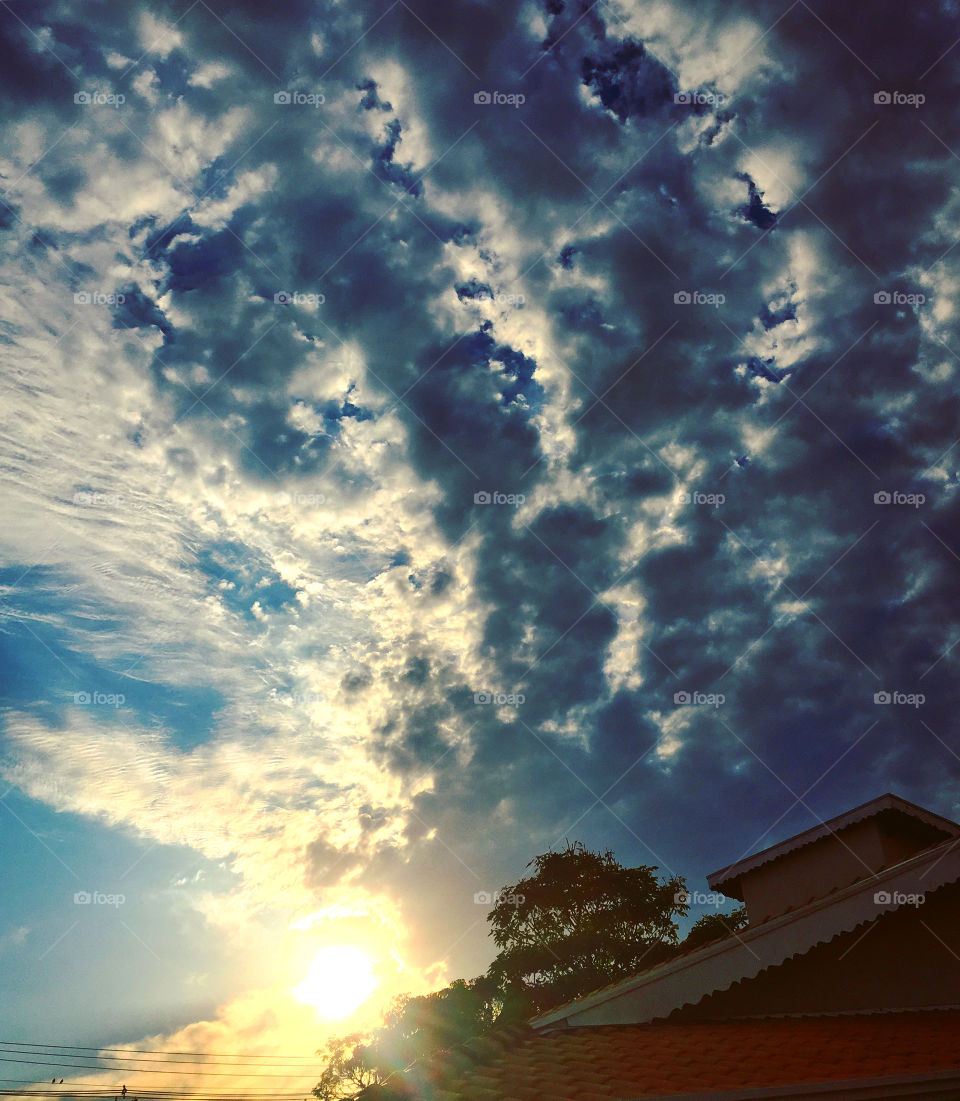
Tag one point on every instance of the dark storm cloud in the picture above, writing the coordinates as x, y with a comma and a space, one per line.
798, 518
799, 595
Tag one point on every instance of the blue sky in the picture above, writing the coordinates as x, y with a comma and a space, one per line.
365, 362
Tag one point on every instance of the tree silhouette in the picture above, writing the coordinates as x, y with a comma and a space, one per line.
713, 926
351, 1066
580, 921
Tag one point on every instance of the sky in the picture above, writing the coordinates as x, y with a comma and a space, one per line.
432, 433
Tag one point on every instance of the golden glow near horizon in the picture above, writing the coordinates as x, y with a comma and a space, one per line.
340, 980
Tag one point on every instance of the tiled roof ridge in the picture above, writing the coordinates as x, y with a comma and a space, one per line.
535, 1070
894, 1011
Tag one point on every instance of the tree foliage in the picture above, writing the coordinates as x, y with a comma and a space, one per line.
413, 1027
579, 921
351, 1066
713, 926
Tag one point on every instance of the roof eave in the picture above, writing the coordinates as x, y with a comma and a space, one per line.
745, 954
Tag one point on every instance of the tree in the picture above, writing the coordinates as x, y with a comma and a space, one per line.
351, 1066
417, 1026
580, 921
713, 926
413, 1028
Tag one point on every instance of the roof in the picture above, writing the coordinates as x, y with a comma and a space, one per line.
939, 826
718, 1059
685, 979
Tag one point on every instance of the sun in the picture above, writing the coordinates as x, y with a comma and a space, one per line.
339, 980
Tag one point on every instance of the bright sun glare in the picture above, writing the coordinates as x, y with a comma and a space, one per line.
339, 980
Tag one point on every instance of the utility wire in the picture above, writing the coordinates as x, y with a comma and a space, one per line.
149, 1051
161, 1062
134, 1070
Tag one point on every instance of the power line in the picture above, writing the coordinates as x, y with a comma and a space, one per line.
105, 1089
174, 1062
91, 1088
150, 1095
151, 1051
142, 1070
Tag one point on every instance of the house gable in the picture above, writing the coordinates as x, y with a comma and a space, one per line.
851, 847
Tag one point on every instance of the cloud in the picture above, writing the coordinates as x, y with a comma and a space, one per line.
383, 406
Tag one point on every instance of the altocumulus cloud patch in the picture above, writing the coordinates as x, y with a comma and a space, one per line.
342, 397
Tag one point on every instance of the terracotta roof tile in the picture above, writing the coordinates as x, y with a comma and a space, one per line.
607, 1062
